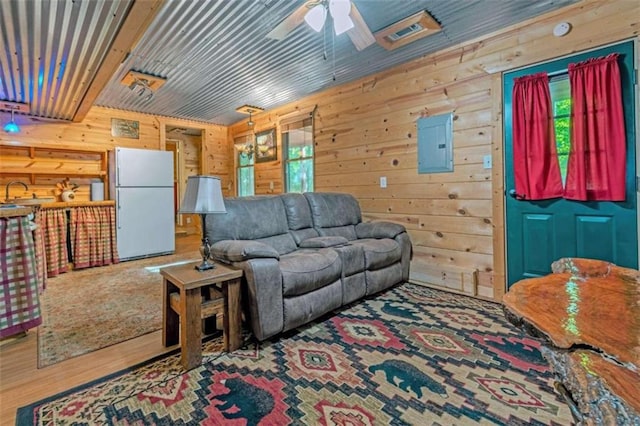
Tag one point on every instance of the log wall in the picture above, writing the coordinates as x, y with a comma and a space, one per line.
208, 156
367, 129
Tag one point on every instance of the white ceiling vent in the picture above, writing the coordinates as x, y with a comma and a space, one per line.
407, 30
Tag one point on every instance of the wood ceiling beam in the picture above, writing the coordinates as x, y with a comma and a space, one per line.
138, 19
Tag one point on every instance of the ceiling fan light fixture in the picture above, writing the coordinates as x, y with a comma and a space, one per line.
342, 24
11, 126
339, 8
315, 17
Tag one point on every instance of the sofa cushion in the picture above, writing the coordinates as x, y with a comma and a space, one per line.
298, 212
329, 210
305, 270
379, 253
299, 235
282, 243
240, 250
347, 231
261, 218
248, 218
320, 242
379, 230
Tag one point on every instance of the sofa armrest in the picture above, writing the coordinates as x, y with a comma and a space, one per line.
379, 230
241, 250
323, 242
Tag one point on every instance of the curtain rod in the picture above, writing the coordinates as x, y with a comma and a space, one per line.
557, 73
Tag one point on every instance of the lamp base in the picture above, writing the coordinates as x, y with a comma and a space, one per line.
205, 252
204, 266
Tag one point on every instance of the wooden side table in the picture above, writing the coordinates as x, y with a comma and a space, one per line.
182, 308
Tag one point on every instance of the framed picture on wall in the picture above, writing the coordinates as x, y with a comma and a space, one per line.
125, 128
266, 147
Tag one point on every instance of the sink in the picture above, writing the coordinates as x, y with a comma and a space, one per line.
31, 201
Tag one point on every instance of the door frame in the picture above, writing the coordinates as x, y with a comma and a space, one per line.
163, 124
499, 198
179, 161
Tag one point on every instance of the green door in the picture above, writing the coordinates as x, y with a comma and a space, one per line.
540, 232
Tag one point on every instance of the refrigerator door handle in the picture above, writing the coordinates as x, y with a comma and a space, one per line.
118, 208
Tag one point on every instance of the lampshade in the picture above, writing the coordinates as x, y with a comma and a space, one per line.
315, 17
203, 195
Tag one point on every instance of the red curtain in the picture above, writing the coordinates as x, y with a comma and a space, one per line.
535, 161
597, 162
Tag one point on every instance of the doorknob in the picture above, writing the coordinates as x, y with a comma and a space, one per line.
515, 195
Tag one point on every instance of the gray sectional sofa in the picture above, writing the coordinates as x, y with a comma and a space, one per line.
304, 255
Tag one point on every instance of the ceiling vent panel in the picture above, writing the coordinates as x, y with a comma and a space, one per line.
407, 30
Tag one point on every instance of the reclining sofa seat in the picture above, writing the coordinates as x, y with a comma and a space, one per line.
302, 255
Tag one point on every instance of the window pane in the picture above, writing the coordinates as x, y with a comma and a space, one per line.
245, 159
300, 176
299, 143
561, 99
245, 181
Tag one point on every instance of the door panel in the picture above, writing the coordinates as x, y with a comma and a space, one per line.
537, 236
600, 229
540, 232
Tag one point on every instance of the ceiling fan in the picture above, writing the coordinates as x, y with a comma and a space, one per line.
344, 15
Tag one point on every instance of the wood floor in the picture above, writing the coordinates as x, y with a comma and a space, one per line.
21, 382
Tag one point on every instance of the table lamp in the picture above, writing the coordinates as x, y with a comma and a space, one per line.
203, 196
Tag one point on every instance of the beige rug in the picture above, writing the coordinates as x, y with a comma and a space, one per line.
93, 308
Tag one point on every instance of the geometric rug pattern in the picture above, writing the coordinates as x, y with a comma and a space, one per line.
409, 356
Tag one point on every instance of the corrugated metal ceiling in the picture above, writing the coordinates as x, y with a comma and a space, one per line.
214, 53
51, 51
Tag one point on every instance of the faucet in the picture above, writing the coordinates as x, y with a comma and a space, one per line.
6, 195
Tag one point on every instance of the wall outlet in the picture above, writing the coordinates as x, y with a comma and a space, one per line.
271, 185
383, 181
486, 162
188, 221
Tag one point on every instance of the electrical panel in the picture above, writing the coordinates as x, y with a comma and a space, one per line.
435, 144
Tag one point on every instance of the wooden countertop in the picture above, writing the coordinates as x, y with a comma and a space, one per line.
65, 204
15, 211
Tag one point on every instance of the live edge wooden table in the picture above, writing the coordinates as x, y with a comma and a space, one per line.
588, 311
183, 308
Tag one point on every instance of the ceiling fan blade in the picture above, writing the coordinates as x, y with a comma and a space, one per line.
360, 34
288, 24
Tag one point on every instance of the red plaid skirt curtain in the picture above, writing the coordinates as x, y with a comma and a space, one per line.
19, 302
93, 236
53, 223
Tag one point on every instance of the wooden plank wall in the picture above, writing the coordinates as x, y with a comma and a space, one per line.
94, 134
367, 129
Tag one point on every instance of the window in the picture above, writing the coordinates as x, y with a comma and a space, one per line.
561, 100
244, 165
297, 143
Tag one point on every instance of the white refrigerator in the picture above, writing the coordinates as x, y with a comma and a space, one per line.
142, 185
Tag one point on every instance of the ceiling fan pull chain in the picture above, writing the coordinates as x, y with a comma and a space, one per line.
324, 42
333, 49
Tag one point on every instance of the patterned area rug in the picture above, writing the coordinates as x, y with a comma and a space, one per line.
412, 355
90, 309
